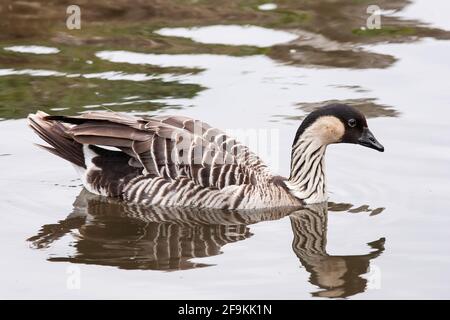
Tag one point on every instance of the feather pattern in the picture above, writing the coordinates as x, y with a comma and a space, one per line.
307, 179
169, 161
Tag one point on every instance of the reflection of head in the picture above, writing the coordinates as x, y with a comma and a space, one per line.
132, 237
337, 276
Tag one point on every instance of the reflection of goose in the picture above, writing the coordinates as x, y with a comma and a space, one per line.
338, 276
177, 161
110, 233
132, 237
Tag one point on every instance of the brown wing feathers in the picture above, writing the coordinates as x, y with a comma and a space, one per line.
155, 144
54, 133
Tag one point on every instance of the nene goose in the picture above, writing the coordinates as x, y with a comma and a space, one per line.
179, 161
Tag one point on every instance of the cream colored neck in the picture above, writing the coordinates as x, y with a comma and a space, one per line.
307, 179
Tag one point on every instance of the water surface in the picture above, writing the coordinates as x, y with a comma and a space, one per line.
384, 233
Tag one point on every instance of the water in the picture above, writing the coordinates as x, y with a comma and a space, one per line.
386, 231
32, 49
231, 35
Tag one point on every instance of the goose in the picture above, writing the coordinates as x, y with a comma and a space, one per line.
177, 161
109, 232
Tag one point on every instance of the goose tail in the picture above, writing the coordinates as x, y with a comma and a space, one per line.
54, 133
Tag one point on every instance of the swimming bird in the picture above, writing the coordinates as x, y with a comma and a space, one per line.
179, 161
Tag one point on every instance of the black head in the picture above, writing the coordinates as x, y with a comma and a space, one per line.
351, 127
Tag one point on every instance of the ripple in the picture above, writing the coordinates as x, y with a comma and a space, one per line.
33, 49
267, 6
30, 72
109, 75
234, 35
116, 75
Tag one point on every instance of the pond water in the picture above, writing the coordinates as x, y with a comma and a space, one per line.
384, 233
231, 35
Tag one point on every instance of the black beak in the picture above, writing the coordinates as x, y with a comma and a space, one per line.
368, 140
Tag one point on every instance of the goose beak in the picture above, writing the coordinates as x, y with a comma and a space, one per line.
368, 140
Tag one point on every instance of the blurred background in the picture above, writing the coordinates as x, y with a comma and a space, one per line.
321, 34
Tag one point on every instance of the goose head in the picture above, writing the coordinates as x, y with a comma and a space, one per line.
337, 123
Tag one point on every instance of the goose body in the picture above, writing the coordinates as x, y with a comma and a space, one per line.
174, 161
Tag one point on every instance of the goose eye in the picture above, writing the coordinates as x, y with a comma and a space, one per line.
352, 122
